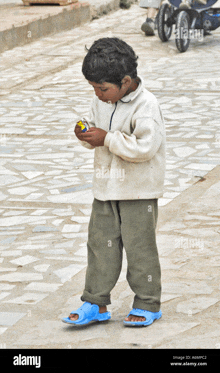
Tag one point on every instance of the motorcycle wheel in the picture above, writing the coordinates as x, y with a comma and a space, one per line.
164, 31
182, 31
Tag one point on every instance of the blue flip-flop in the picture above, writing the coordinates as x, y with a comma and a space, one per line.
149, 317
87, 313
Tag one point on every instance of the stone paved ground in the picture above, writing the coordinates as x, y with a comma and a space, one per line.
45, 196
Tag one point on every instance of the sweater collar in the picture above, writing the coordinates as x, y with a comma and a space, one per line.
131, 96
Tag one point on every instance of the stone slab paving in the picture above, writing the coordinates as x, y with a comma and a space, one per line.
46, 191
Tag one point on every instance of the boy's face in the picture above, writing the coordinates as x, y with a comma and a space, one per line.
109, 92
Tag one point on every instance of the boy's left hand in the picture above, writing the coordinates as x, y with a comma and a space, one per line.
94, 136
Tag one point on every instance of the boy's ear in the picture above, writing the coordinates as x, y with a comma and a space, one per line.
126, 80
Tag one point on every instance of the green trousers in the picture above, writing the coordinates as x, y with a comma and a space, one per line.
130, 224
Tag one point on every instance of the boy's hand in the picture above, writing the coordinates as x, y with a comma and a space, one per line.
78, 132
94, 136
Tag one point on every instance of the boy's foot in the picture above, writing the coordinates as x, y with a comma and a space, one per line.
74, 316
148, 27
140, 317
87, 313
135, 318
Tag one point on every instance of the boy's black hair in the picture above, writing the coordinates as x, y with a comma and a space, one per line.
109, 60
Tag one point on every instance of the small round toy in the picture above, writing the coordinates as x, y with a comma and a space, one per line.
83, 124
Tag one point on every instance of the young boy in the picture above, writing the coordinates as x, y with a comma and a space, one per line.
152, 7
186, 4
126, 129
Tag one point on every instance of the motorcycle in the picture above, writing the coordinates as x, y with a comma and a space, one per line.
195, 22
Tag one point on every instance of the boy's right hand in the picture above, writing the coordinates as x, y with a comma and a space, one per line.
79, 133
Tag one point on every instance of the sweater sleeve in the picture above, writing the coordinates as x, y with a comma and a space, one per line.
141, 145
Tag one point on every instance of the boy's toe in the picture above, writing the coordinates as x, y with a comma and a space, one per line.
73, 317
134, 318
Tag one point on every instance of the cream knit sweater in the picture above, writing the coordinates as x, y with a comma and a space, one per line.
131, 164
